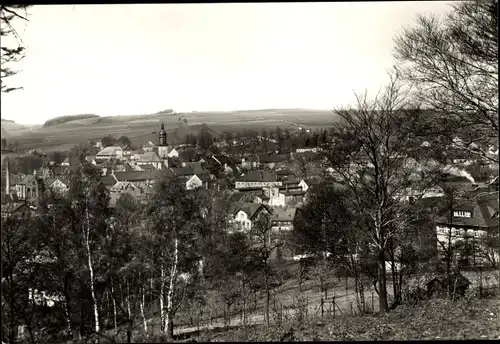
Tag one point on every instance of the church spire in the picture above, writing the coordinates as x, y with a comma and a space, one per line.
162, 136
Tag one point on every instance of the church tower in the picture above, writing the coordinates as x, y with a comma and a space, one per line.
163, 145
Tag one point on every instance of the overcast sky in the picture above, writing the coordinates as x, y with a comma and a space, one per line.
136, 59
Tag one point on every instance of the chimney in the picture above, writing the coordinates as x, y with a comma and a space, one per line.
7, 178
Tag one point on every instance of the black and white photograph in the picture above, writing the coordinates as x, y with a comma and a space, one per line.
249, 172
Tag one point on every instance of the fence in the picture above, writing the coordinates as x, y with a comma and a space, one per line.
306, 306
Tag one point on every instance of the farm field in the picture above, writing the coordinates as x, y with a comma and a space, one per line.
140, 128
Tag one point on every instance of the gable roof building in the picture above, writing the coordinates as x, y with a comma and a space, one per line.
257, 179
252, 210
111, 152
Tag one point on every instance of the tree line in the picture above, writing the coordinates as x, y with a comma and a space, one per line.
265, 141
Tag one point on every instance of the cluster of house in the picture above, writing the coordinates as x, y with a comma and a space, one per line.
254, 185
251, 192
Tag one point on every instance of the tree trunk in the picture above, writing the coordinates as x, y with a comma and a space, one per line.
362, 295
228, 317
395, 288
67, 307
244, 299
268, 301
129, 313
82, 317
162, 298
382, 288
91, 272
141, 304
170, 294
113, 300
382, 280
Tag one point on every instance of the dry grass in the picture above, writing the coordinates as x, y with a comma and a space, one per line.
436, 319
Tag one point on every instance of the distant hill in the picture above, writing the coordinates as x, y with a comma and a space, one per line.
65, 119
7, 120
62, 132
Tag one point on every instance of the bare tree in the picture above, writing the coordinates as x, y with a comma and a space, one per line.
265, 247
370, 155
453, 62
10, 52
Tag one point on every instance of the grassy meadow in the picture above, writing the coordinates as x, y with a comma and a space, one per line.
140, 128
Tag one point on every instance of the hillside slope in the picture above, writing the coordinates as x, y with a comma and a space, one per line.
141, 127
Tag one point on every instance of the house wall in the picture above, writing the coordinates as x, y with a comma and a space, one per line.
193, 183
106, 157
277, 200
241, 221
163, 151
157, 164
303, 185
282, 226
21, 191
173, 153
255, 184
466, 234
443, 233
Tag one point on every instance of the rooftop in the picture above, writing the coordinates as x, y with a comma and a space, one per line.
111, 150
258, 176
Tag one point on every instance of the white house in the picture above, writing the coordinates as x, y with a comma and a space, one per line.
173, 153
193, 182
244, 215
472, 221
305, 184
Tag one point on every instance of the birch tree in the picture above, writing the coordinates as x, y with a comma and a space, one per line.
172, 214
89, 201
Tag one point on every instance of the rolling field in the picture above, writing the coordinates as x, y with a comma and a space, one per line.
139, 128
